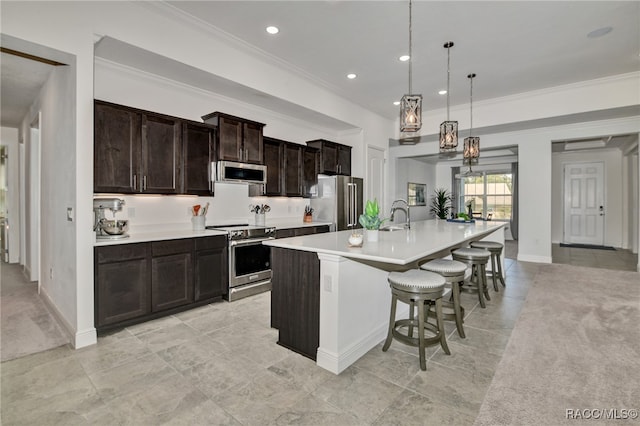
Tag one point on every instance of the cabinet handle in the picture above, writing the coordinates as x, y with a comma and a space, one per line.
246, 154
144, 182
135, 182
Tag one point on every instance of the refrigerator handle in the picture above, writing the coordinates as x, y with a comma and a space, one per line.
352, 193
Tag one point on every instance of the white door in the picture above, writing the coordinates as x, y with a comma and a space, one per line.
375, 174
584, 203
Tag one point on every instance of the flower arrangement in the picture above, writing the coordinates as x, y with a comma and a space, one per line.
370, 219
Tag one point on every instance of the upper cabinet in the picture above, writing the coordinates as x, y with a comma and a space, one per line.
238, 139
141, 152
198, 141
117, 148
335, 158
160, 171
291, 168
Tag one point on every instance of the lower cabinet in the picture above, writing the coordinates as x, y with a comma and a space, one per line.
304, 230
142, 281
211, 271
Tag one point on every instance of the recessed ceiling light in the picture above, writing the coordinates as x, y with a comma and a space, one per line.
396, 103
351, 76
404, 58
442, 92
273, 30
600, 32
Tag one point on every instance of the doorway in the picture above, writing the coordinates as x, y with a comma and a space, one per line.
584, 203
375, 174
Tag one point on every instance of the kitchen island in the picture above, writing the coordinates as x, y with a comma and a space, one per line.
330, 301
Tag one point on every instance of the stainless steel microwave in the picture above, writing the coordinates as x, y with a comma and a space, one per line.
232, 172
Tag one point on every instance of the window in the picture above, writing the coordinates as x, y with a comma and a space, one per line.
490, 195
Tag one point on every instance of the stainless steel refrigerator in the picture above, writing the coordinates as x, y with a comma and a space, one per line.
338, 199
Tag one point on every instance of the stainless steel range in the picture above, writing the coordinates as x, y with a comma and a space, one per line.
249, 260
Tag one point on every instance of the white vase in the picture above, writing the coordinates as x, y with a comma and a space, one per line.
372, 235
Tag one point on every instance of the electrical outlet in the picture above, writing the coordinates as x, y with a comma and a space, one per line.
70, 214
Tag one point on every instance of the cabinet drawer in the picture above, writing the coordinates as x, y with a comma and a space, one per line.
108, 254
207, 243
164, 248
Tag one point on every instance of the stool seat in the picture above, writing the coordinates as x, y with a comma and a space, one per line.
419, 289
445, 267
416, 280
488, 245
495, 248
472, 253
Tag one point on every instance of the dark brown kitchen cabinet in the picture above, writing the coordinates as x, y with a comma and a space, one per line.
310, 169
142, 281
292, 170
122, 283
239, 139
171, 269
303, 230
161, 155
211, 270
274, 160
117, 148
335, 158
136, 151
198, 141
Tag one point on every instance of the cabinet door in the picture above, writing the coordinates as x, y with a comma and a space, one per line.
310, 170
253, 143
293, 170
171, 274
344, 160
161, 154
116, 154
329, 159
229, 139
121, 279
211, 268
273, 160
198, 143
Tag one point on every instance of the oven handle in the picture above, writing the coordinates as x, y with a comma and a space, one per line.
237, 243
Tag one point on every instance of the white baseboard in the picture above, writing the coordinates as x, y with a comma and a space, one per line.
533, 258
77, 339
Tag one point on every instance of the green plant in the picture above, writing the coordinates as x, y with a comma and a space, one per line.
370, 219
441, 203
464, 216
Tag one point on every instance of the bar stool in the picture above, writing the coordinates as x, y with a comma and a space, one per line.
453, 273
495, 249
417, 288
477, 260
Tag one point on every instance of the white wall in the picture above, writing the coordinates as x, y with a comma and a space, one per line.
409, 170
613, 196
9, 138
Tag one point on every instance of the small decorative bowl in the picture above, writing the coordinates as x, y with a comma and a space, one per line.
355, 240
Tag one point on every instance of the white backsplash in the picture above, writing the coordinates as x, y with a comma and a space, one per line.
229, 205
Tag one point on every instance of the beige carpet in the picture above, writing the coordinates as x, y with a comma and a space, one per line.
576, 347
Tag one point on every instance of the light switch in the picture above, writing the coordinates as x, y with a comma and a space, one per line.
327, 283
69, 214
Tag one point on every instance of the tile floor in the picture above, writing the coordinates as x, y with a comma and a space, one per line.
219, 364
619, 259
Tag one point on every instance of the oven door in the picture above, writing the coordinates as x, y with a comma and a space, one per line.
249, 261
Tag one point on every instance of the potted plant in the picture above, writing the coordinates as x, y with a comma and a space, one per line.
441, 203
370, 220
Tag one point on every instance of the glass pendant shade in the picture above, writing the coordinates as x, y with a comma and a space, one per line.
448, 136
410, 113
471, 151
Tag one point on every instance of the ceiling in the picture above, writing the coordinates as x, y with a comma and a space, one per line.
513, 47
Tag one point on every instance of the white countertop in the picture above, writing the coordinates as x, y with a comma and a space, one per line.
402, 247
144, 234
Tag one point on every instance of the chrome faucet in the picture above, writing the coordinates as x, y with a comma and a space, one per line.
404, 209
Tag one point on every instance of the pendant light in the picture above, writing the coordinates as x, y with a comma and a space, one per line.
471, 151
448, 129
410, 104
